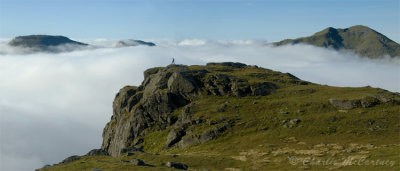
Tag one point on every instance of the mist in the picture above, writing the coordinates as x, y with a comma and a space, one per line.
53, 106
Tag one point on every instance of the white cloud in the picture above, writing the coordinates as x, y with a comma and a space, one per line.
56, 105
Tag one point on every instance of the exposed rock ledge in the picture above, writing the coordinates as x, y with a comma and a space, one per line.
140, 110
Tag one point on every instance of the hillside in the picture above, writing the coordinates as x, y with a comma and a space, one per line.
362, 40
44, 42
231, 116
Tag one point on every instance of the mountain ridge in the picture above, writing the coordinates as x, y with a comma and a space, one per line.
46, 43
361, 39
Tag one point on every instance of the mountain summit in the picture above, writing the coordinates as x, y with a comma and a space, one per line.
45, 43
131, 42
361, 39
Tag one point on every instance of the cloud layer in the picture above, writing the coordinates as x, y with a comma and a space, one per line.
55, 105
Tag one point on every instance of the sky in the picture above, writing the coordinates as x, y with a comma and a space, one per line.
271, 20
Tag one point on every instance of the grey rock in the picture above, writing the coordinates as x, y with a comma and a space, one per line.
240, 88
177, 165
189, 140
178, 84
179, 128
218, 84
124, 161
281, 111
137, 162
301, 111
96, 169
174, 136
97, 152
262, 89
71, 159
369, 101
213, 133
46, 166
344, 104
132, 149
150, 71
294, 121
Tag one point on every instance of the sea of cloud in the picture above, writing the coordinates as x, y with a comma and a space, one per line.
54, 105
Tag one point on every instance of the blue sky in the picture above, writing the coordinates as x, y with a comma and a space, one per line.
272, 20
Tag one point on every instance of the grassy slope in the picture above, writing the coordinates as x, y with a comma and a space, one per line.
258, 139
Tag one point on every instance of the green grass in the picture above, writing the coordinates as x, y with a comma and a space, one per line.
258, 141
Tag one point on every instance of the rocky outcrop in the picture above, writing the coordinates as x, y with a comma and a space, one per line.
148, 107
364, 102
70, 159
97, 152
344, 104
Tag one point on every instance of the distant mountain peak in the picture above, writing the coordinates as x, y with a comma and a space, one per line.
131, 42
43, 42
361, 39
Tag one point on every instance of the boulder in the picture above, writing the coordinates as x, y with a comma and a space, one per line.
344, 104
262, 89
174, 136
177, 165
180, 84
137, 162
294, 121
369, 101
97, 152
218, 84
188, 140
213, 133
70, 159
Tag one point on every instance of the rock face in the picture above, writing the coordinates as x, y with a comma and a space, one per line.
140, 110
46, 43
130, 42
361, 39
365, 102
